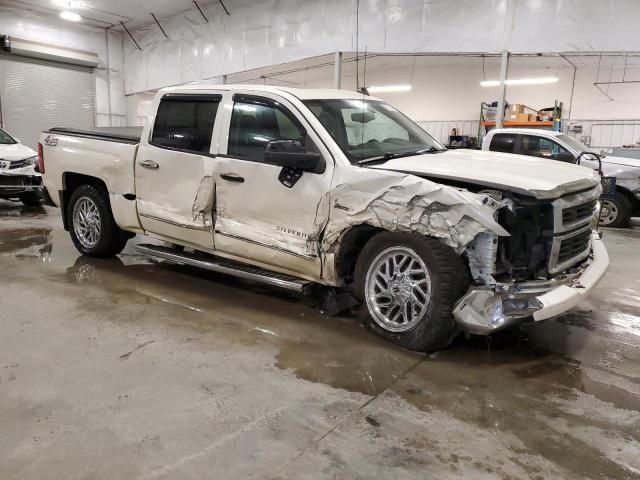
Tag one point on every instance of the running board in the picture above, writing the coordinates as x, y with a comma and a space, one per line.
228, 267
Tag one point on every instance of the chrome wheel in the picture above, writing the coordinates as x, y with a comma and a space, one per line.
608, 213
86, 222
398, 289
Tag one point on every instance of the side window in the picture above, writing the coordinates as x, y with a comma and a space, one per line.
253, 125
544, 148
185, 123
503, 142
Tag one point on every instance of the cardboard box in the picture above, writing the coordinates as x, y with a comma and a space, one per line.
516, 108
519, 117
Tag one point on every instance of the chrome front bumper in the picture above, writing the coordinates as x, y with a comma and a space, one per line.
484, 311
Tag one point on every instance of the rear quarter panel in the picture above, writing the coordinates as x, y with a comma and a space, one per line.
111, 162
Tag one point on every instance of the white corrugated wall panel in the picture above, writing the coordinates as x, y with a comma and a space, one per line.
36, 95
441, 129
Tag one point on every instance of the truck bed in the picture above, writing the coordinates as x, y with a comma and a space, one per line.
107, 154
130, 135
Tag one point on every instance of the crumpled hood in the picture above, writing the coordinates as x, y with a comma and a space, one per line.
16, 151
540, 178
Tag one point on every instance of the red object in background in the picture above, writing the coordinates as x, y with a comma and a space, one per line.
40, 168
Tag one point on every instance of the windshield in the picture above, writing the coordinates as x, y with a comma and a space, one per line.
575, 144
5, 138
370, 129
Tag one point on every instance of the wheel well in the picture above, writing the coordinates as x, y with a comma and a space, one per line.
71, 181
635, 205
352, 243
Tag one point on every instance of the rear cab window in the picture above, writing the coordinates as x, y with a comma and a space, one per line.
185, 122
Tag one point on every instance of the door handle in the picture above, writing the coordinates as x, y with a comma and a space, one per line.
232, 177
149, 164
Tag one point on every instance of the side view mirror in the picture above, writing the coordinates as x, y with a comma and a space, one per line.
292, 154
565, 157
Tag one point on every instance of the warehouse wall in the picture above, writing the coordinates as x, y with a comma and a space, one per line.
454, 92
443, 92
277, 31
109, 79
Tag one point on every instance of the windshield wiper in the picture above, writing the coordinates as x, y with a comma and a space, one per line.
390, 156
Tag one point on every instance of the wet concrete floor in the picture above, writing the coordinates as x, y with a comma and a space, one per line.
136, 369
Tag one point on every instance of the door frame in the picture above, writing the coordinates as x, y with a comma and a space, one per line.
320, 142
204, 234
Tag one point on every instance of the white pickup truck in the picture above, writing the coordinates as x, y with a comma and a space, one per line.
616, 210
297, 188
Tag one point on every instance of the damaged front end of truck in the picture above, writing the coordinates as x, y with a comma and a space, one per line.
19, 180
528, 259
552, 259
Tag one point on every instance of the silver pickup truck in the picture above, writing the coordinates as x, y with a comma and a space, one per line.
297, 188
618, 209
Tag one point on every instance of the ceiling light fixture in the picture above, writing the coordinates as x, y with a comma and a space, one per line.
71, 16
520, 81
66, 4
389, 88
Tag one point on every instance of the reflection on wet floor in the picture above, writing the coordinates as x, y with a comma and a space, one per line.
556, 385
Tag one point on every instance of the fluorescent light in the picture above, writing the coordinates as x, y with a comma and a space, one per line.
389, 88
532, 81
66, 4
71, 16
520, 81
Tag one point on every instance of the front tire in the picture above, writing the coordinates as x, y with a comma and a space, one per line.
616, 211
93, 230
409, 285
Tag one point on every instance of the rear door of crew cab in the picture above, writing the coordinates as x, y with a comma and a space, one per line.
174, 168
261, 214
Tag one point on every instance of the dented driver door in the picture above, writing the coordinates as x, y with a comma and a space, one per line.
174, 169
262, 215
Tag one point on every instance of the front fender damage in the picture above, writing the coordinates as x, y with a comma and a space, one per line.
464, 221
411, 204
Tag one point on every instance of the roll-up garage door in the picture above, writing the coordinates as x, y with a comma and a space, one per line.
36, 95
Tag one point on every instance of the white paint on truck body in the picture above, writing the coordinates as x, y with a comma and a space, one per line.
198, 200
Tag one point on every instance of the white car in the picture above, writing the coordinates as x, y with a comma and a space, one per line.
617, 210
19, 179
297, 188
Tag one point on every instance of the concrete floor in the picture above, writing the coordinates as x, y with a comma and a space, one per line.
132, 369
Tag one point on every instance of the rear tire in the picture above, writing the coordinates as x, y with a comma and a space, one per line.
616, 211
425, 300
93, 230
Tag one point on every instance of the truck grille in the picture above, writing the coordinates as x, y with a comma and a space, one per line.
18, 164
12, 181
574, 246
573, 215
584, 212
